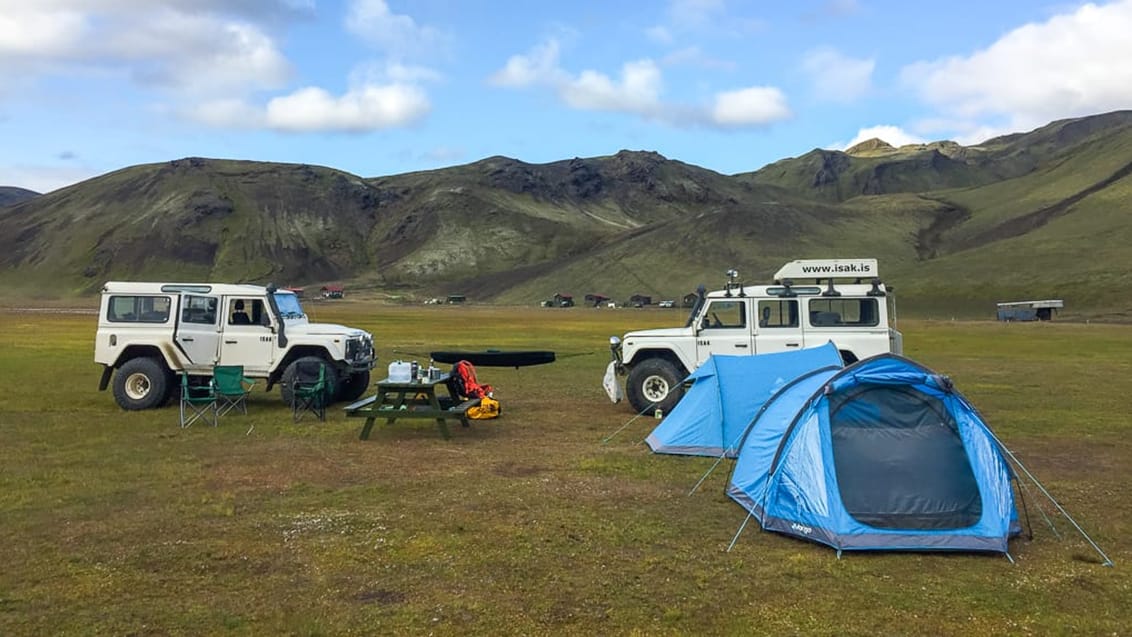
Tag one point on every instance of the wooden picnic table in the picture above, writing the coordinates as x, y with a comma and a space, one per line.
413, 399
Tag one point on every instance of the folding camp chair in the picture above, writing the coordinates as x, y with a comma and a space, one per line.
198, 401
308, 390
232, 388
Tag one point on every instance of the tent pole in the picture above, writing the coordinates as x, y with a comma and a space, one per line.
741, 527
1009, 558
1107, 561
1041, 511
708, 472
610, 436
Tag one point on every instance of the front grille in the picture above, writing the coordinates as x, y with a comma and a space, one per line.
359, 349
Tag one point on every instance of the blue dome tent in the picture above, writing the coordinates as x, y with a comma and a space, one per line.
726, 393
881, 455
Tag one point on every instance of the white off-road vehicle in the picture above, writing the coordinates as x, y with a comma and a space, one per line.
811, 302
150, 332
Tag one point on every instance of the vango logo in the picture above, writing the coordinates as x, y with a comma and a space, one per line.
801, 528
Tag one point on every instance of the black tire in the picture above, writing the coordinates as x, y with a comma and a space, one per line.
142, 383
289, 377
654, 383
353, 386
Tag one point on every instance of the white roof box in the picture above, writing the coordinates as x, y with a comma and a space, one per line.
828, 269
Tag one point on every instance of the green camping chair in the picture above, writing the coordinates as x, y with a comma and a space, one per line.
198, 401
308, 390
232, 388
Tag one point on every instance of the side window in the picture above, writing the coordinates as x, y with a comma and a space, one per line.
138, 309
122, 308
200, 310
247, 312
844, 312
778, 313
725, 314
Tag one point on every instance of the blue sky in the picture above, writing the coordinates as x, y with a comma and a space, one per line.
379, 87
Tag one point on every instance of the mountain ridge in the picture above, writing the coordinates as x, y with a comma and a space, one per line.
503, 230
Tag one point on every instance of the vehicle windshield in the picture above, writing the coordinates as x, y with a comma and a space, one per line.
289, 307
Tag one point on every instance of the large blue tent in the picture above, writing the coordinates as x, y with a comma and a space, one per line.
883, 454
726, 393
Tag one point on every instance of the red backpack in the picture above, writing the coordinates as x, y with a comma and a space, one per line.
462, 381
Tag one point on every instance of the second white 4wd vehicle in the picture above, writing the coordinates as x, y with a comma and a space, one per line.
812, 302
150, 332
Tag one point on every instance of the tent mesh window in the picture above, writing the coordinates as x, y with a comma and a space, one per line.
899, 460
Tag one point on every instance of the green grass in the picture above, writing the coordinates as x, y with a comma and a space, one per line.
123, 523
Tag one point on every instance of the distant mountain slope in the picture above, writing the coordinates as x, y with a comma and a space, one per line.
11, 195
956, 228
876, 168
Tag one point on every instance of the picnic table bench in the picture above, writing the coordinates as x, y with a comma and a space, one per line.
413, 399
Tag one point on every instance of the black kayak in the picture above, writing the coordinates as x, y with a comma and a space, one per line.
496, 358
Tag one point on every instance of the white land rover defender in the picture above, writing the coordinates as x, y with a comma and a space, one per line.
812, 302
150, 332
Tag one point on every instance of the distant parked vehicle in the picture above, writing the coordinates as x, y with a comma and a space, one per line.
666, 304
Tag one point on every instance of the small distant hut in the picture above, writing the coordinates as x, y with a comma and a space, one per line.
332, 291
454, 299
640, 300
596, 300
563, 300
1029, 310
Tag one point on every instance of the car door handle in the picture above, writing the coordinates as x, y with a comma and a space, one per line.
792, 344
186, 340
743, 345
229, 342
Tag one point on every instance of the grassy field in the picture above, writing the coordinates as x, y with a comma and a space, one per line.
123, 523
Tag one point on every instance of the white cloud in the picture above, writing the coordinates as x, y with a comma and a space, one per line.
44, 32
1070, 65
754, 106
360, 109
169, 43
836, 76
637, 90
396, 34
213, 57
227, 58
893, 135
540, 65
363, 108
